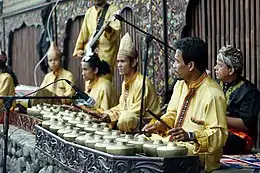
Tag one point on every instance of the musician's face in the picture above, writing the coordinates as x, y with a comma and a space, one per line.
88, 73
222, 70
54, 62
181, 69
125, 66
99, 2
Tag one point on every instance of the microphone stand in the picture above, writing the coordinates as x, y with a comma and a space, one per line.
148, 40
8, 102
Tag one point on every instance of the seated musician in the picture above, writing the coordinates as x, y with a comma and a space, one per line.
126, 113
61, 88
8, 79
197, 109
243, 104
99, 88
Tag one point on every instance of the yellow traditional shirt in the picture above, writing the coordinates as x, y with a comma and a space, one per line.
108, 43
7, 87
60, 88
205, 115
130, 99
103, 93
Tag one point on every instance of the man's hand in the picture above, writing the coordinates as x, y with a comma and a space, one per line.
153, 128
95, 114
92, 112
236, 123
74, 108
178, 134
108, 29
105, 118
101, 118
80, 53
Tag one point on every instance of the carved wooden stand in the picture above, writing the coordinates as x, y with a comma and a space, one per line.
77, 158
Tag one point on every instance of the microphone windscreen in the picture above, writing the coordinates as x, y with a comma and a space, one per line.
90, 101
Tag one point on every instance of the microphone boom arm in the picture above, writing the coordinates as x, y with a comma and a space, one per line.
120, 18
8, 101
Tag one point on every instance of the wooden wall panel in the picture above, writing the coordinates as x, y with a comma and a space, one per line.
72, 63
24, 55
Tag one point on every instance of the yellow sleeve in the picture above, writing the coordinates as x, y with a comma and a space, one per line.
83, 35
113, 35
106, 98
69, 91
44, 82
6, 85
171, 113
136, 106
115, 25
114, 112
215, 134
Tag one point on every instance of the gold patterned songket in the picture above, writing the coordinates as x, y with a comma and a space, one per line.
185, 107
126, 95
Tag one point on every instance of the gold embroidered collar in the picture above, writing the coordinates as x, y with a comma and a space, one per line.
130, 80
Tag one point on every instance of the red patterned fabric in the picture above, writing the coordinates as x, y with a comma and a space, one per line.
246, 137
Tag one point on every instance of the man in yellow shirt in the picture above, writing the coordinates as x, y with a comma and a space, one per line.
126, 113
99, 88
60, 88
197, 109
7, 81
108, 42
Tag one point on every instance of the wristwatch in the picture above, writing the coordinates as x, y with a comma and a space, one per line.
192, 136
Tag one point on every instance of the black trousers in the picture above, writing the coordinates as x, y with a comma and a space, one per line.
234, 145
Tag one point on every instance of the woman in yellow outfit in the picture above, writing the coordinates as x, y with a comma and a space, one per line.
99, 88
7, 79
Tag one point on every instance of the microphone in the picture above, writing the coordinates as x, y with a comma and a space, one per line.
89, 101
80, 95
118, 17
39, 89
